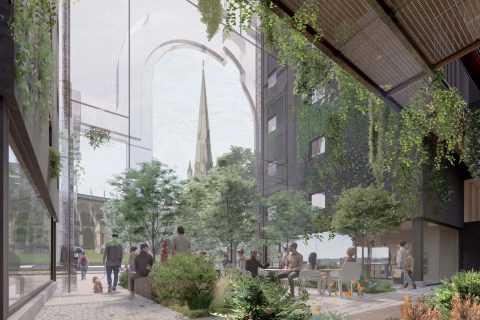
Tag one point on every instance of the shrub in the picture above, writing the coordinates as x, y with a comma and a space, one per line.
259, 299
465, 284
464, 309
192, 314
185, 278
419, 311
123, 280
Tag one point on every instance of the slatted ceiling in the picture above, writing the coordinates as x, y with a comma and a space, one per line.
403, 96
439, 27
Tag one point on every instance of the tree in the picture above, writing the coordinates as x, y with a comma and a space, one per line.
148, 201
362, 212
116, 212
219, 209
290, 216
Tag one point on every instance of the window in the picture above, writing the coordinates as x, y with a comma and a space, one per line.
272, 169
318, 200
272, 80
317, 146
272, 124
29, 249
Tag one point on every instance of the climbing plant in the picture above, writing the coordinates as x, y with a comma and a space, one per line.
472, 144
426, 133
97, 136
211, 11
31, 26
55, 163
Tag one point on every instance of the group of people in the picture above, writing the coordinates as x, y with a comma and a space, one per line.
405, 263
139, 264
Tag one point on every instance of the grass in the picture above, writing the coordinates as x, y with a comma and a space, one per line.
190, 313
95, 258
33, 258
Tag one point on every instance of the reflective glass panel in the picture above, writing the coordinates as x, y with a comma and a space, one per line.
28, 235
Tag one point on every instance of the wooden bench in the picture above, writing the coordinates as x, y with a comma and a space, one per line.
143, 287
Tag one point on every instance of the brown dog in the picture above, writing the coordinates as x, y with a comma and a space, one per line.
97, 285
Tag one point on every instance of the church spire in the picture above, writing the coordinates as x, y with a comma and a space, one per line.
203, 156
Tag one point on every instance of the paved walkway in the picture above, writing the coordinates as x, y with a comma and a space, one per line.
369, 306
83, 304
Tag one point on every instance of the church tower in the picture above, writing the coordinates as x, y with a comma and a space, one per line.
203, 156
189, 171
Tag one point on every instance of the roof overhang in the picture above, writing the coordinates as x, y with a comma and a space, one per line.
391, 45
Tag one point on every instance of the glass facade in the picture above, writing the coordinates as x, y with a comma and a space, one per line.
29, 235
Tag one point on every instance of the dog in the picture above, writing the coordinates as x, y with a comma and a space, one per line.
97, 285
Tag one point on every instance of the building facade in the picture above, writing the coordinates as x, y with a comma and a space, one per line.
91, 229
29, 159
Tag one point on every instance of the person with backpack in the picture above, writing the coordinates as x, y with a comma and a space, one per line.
83, 265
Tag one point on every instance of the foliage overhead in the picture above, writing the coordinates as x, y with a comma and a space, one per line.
211, 11
472, 144
34, 60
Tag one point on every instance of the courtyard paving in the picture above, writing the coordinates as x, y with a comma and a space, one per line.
369, 306
84, 304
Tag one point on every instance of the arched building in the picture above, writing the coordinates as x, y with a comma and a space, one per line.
91, 231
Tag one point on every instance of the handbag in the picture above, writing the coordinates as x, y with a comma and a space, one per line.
397, 273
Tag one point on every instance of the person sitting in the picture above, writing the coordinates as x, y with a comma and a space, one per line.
252, 264
312, 261
350, 257
293, 267
143, 263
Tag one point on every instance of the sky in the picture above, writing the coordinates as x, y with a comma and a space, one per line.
176, 98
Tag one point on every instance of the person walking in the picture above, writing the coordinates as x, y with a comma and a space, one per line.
83, 265
112, 260
241, 260
409, 270
181, 244
131, 259
143, 264
402, 259
163, 251
293, 267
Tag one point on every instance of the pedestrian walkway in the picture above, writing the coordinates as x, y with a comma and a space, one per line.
369, 306
83, 304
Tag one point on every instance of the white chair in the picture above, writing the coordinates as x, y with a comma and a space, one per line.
312, 275
350, 271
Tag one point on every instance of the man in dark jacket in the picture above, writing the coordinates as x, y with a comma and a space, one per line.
143, 264
253, 264
112, 260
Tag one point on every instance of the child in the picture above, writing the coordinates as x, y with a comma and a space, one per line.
409, 270
164, 252
83, 264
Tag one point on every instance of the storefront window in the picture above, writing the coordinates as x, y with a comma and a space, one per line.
28, 235
440, 252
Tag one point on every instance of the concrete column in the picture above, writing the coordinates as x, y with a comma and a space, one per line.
417, 239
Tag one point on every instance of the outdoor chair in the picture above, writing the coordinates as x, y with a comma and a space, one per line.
312, 275
350, 271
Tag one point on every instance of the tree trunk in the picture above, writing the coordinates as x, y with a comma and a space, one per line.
153, 241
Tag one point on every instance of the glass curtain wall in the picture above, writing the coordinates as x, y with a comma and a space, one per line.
29, 230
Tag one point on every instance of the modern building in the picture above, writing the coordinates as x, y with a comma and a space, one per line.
29, 162
389, 47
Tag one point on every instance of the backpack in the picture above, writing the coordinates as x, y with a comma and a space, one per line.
83, 261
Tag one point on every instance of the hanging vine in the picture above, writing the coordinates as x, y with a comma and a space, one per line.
34, 60
97, 136
472, 144
211, 11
